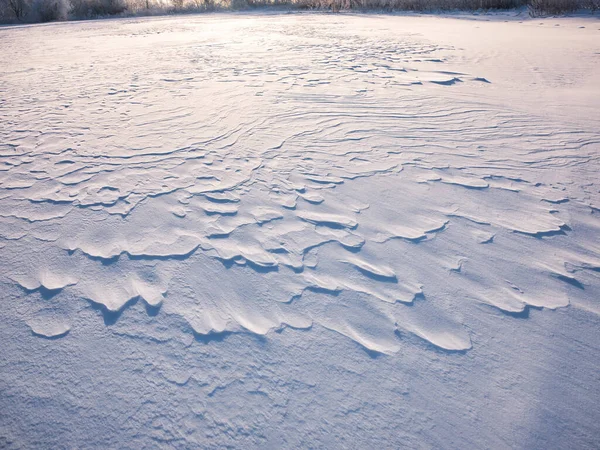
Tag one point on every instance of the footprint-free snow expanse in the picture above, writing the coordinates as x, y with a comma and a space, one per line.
300, 230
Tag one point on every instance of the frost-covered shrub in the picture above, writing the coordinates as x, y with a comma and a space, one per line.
4, 13
206, 5
592, 5
426, 5
544, 7
15, 9
33, 10
49, 10
536, 7
239, 4
95, 8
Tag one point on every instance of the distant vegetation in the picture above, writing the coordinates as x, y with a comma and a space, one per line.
29, 11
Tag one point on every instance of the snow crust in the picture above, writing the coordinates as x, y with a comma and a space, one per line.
415, 187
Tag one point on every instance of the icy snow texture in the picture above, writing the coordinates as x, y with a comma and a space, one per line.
249, 174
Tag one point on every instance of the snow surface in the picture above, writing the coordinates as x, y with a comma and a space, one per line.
300, 230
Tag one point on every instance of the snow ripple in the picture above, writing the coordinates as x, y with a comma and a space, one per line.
342, 180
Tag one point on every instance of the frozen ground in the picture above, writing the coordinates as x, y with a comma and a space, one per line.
290, 231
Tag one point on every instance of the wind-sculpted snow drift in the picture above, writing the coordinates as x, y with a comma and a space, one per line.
300, 231
286, 178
